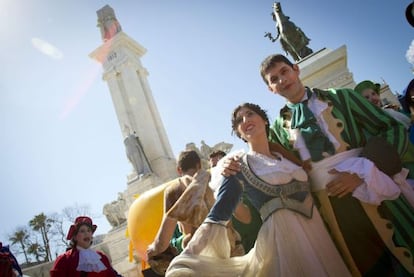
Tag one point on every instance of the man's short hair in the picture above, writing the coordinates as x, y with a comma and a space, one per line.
188, 159
270, 62
217, 153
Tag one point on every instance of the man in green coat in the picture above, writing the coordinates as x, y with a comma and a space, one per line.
331, 129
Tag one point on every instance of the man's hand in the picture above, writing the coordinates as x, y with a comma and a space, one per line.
343, 184
151, 252
230, 166
186, 179
163, 237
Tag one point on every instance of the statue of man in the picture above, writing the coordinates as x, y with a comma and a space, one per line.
136, 155
108, 23
292, 38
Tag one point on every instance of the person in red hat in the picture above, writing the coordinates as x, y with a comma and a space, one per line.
80, 259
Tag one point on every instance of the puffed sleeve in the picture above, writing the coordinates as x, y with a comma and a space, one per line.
229, 195
60, 267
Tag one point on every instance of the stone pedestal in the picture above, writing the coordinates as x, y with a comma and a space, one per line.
141, 184
326, 69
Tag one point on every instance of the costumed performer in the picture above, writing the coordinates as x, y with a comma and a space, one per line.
80, 259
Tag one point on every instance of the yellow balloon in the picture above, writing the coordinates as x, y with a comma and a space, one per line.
144, 218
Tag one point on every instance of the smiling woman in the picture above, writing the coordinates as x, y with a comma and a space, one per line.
279, 190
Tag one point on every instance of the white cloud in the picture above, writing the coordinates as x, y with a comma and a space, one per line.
410, 53
47, 48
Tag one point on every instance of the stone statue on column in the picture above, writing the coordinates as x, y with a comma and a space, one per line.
108, 23
136, 155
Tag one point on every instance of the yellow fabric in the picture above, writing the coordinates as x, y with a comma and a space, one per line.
328, 215
144, 218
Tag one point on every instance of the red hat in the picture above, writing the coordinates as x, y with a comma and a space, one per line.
80, 220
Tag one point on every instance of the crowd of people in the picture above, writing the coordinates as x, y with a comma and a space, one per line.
324, 190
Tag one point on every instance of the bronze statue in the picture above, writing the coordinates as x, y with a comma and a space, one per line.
108, 23
292, 39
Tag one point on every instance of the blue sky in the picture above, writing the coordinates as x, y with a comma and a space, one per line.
61, 144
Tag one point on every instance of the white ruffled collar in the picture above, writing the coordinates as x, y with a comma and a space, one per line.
89, 260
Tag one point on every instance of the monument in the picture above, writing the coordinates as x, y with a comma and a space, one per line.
325, 68
146, 143
292, 38
132, 97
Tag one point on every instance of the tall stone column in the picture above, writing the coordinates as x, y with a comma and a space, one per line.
131, 95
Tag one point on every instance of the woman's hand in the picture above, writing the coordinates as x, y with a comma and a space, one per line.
230, 166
